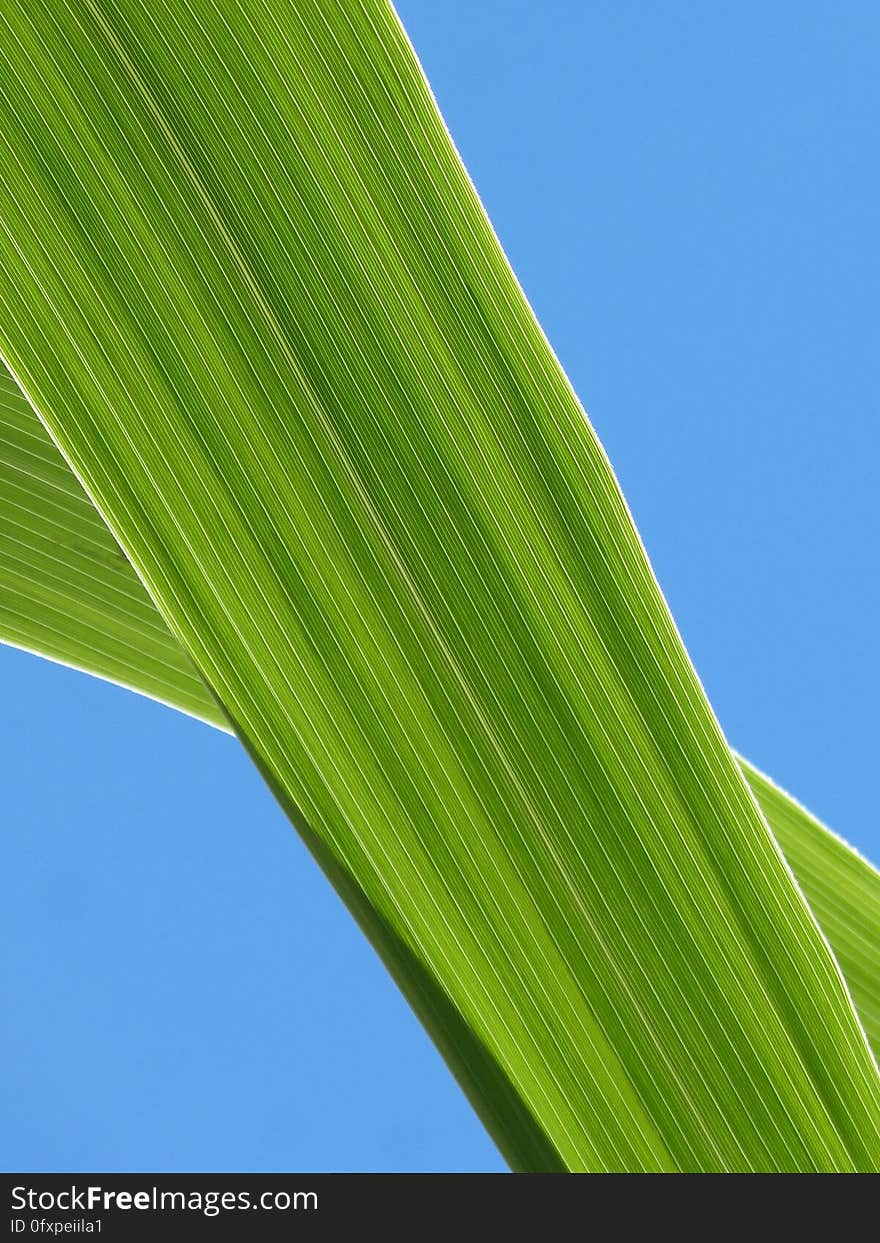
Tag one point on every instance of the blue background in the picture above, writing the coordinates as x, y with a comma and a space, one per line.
689, 195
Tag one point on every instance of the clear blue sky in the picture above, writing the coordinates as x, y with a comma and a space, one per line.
689, 194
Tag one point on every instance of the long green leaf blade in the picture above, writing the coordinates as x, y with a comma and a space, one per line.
250, 291
68, 592
842, 888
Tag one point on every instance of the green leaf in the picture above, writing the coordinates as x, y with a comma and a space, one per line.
251, 293
68, 592
842, 888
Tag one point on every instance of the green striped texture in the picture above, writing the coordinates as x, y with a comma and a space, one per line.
67, 592
251, 293
842, 888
